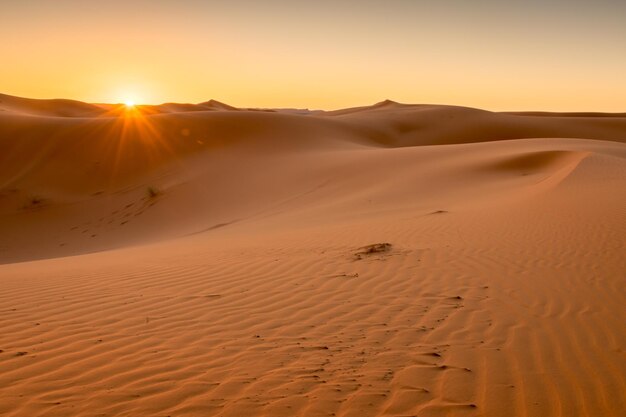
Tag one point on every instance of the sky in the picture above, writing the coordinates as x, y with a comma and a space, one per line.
500, 55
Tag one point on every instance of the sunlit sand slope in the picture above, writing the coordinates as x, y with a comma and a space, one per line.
391, 260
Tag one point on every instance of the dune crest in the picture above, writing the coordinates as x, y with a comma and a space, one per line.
50, 107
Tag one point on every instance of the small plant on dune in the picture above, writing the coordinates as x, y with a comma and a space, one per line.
373, 249
34, 201
153, 192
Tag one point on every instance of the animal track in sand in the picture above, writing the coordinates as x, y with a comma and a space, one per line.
120, 216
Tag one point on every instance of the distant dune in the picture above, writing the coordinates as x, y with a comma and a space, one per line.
386, 260
55, 107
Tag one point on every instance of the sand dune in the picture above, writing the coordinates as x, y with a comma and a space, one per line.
52, 108
186, 261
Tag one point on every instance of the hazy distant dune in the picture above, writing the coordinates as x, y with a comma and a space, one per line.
53, 107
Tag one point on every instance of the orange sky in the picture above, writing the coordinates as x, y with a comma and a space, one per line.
321, 54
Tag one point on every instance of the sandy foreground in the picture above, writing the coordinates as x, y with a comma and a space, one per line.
202, 260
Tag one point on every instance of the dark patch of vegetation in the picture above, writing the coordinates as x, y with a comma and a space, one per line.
34, 202
376, 248
153, 192
373, 249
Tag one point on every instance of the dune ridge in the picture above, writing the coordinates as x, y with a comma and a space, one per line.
178, 261
48, 107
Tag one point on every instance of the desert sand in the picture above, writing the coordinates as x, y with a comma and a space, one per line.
204, 260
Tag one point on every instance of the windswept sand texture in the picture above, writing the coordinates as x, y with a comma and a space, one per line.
201, 260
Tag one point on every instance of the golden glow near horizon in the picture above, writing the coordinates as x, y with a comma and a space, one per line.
497, 55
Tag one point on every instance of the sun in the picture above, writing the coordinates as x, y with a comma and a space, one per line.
129, 103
